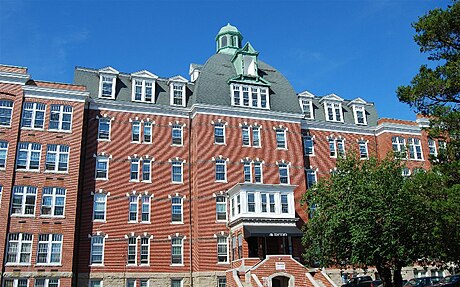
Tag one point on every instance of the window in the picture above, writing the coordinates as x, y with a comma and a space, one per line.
145, 251
57, 158
19, 248
23, 200
234, 248
178, 95
311, 177
102, 167
176, 209
308, 145
95, 283
3, 153
176, 135
399, 146
60, 118
363, 152
431, 146
258, 172
147, 132
256, 136
219, 133
145, 208
340, 147
46, 282
100, 206
53, 201
283, 173
146, 170
136, 132
222, 249
133, 202
104, 129
267, 202
405, 171
107, 89
415, 149
221, 282
250, 96
281, 138
176, 250
144, 283
134, 170
247, 174
333, 112
240, 246
251, 202
336, 147
6, 109
307, 108
360, 115
97, 249
221, 170
33, 115
49, 249
142, 90
246, 137
1, 193
28, 156
131, 283
221, 208
132, 251
442, 146
284, 203
176, 172
332, 148
176, 282
21, 282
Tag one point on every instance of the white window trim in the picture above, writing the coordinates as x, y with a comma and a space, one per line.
147, 123
224, 131
312, 138
315, 173
11, 111
334, 116
98, 127
182, 238
247, 162
365, 142
29, 156
105, 157
171, 93
144, 83
225, 203
148, 251
259, 96
177, 126
106, 195
139, 124
24, 189
173, 162
150, 160
150, 208
50, 242
310, 107
288, 164
58, 153
433, 145
411, 144
181, 206
261, 163
135, 251
217, 250
131, 161
259, 128
47, 281
355, 114
249, 129
104, 237
20, 242
34, 115
95, 280
6, 154
61, 116
53, 196
15, 281
283, 129
225, 160
114, 81
136, 202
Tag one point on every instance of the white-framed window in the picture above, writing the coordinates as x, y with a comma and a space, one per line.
308, 145
144, 283
102, 167
97, 250
284, 203
33, 115
177, 94
307, 108
6, 109
245, 132
405, 171
360, 115
53, 201
146, 201
399, 146
431, 147
131, 282
332, 148
176, 209
222, 249
340, 147
256, 136
1, 194
177, 171
267, 201
3, 153
147, 132
28, 156
17, 282
60, 118
415, 149
363, 150
221, 282
95, 283
23, 202
99, 207
442, 146
333, 111
251, 201
104, 128
57, 158
19, 248
250, 96
311, 177
219, 133
133, 208
145, 252
236, 206
281, 138
132, 251
221, 207
176, 134
49, 249
136, 132
46, 282
336, 147
247, 171
143, 91
134, 169
221, 170
177, 250
258, 174
107, 87
283, 169
146, 170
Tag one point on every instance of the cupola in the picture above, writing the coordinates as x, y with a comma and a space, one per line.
228, 40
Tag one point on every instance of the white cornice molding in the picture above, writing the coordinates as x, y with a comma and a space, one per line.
397, 128
51, 93
337, 127
14, 78
144, 74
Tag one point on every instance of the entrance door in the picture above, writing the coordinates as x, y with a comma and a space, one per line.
280, 281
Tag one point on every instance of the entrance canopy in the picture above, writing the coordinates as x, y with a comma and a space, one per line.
271, 231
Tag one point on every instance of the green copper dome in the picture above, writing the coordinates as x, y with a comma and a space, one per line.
228, 29
228, 39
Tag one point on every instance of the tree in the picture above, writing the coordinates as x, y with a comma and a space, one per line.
365, 216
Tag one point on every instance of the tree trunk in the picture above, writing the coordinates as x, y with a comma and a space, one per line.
385, 275
397, 277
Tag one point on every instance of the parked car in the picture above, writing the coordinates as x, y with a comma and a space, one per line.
449, 281
422, 281
361, 281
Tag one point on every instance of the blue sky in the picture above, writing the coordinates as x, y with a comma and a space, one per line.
351, 48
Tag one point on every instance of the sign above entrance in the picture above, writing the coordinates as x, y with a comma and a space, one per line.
280, 266
277, 234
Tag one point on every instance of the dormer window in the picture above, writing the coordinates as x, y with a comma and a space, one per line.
249, 66
143, 91
178, 95
250, 96
307, 108
107, 87
360, 115
333, 112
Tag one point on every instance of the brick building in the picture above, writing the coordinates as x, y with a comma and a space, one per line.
131, 179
